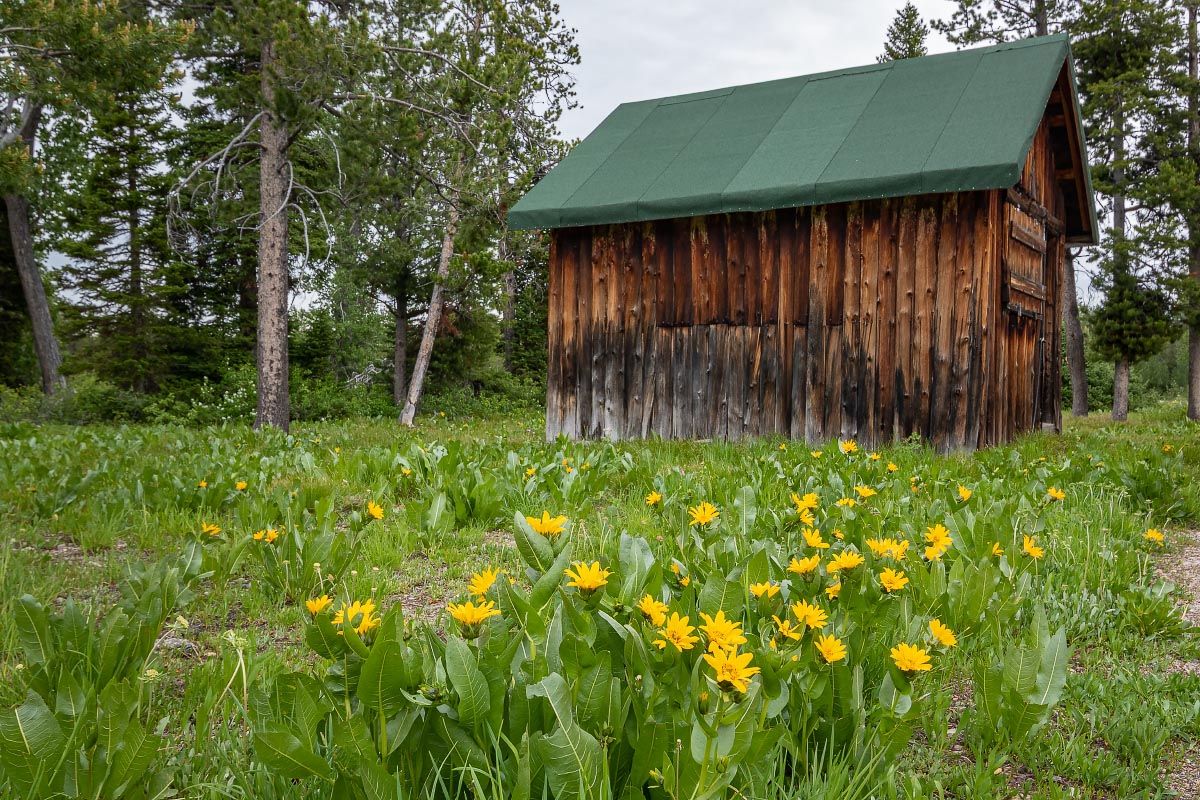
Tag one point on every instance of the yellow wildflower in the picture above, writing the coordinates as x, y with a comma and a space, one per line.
888, 548
830, 647
847, 559
360, 616
1054, 493
529, 473
269, 535
812, 538
939, 540
547, 526
375, 510
1031, 548
733, 670
865, 491
892, 580
964, 493
241, 486
685, 581
942, 633
997, 550
849, 446
653, 499
721, 632
767, 588
482, 581
810, 501
891, 467
677, 632
815, 453
703, 514
654, 610
469, 614
320, 604
805, 565
909, 658
846, 501
786, 628
203, 484
210, 529
875, 456
832, 591
1154, 535
809, 614
587, 578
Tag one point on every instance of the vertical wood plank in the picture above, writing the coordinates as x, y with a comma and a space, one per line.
818, 300
884, 337
904, 377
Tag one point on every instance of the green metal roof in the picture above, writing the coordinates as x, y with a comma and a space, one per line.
950, 122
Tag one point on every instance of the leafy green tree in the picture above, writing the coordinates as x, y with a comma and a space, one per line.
61, 57
1122, 50
905, 36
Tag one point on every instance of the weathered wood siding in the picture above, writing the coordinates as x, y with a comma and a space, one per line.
935, 315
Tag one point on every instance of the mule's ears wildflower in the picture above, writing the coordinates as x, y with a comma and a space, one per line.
375, 510
767, 588
942, 633
997, 550
240, 486
654, 610
1153, 535
964, 493
721, 632
805, 565
358, 615
210, 529
587, 577
1031, 548
891, 467
830, 647
703, 514
892, 580
812, 616
809, 502
849, 446
678, 633
482, 581
547, 526
865, 491
733, 670
786, 628
875, 457
846, 501
812, 538
203, 484
653, 499
470, 615
529, 473
269, 536
1054, 493
815, 453
909, 658
939, 540
320, 604
832, 591
847, 559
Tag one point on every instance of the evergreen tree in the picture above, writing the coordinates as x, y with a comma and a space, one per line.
905, 36
1122, 51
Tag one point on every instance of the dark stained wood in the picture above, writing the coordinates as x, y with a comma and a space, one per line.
934, 315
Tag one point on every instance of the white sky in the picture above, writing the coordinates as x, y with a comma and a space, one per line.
640, 49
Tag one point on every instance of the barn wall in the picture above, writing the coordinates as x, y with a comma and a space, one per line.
871, 320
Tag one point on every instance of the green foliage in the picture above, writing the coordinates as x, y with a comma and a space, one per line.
905, 36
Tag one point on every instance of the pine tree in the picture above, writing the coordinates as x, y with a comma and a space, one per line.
1122, 51
905, 36
116, 242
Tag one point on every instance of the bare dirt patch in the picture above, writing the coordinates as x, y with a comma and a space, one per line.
1182, 568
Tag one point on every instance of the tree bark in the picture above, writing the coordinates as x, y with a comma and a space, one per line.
416, 385
45, 344
400, 351
137, 310
1193, 410
1120, 409
1075, 361
272, 259
509, 318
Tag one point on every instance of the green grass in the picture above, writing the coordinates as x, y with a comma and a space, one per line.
80, 507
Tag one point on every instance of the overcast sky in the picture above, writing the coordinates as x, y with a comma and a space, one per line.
640, 49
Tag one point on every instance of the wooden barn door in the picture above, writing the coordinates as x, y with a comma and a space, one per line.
1023, 292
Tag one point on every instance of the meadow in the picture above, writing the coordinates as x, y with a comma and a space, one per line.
358, 610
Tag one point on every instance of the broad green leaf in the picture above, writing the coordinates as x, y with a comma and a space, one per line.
322, 638
33, 630
719, 594
462, 670
439, 516
1052, 672
543, 590
381, 681
534, 549
636, 560
282, 751
571, 756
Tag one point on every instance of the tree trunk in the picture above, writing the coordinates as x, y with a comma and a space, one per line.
417, 383
1041, 19
1193, 411
400, 351
44, 342
509, 319
1075, 360
1120, 409
137, 310
272, 259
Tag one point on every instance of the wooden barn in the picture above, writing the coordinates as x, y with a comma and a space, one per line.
868, 254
